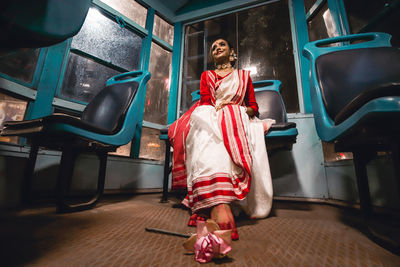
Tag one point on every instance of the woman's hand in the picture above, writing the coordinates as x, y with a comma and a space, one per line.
250, 112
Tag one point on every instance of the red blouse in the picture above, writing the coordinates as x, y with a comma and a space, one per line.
205, 95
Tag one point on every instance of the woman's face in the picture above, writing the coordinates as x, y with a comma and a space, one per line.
220, 51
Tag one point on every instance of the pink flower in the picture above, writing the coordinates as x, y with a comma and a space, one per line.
209, 242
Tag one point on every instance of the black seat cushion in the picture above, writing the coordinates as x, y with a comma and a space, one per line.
104, 114
40, 125
282, 126
108, 108
270, 105
349, 79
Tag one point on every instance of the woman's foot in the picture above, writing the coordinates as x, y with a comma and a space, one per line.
222, 214
196, 217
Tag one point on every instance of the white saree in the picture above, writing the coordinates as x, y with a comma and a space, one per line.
216, 175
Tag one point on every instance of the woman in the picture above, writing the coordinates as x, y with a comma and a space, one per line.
219, 147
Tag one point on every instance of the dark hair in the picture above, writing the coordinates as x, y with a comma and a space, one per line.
210, 57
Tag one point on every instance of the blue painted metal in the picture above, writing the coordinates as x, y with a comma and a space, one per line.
48, 81
302, 39
132, 120
144, 65
283, 133
195, 95
336, 15
173, 91
326, 128
163, 136
343, 17
296, 55
274, 85
162, 43
267, 85
314, 8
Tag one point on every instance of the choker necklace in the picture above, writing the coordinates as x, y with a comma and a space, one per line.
224, 66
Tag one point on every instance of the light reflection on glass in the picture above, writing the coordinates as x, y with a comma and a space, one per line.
11, 109
163, 29
130, 9
124, 150
151, 147
102, 37
330, 24
253, 70
157, 91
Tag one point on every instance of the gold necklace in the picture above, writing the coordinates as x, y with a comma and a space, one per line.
224, 66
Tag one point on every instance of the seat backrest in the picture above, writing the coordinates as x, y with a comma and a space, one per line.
27, 23
108, 108
348, 79
270, 105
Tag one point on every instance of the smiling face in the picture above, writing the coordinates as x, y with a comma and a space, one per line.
221, 51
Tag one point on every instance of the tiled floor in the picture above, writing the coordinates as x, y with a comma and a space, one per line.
113, 234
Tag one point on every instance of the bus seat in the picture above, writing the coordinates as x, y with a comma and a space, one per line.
108, 121
282, 135
355, 95
26, 23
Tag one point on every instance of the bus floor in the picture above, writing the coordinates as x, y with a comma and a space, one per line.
113, 234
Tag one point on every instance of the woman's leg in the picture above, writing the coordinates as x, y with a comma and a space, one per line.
222, 214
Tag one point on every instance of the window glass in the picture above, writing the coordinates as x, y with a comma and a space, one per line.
11, 109
308, 4
105, 39
19, 64
330, 155
157, 90
362, 13
262, 40
123, 150
84, 78
151, 147
129, 8
267, 50
163, 29
322, 25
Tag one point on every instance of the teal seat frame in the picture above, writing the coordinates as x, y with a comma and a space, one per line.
326, 128
356, 133
72, 141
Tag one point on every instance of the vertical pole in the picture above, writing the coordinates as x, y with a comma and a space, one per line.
173, 92
361, 158
166, 171
144, 65
26, 190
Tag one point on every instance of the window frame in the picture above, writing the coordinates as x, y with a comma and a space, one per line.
44, 102
236, 10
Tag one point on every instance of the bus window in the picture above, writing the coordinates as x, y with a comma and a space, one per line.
374, 16
19, 64
262, 40
156, 102
131, 9
100, 50
151, 147
163, 29
157, 90
321, 24
11, 109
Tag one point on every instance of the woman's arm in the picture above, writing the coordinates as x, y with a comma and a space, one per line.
250, 100
205, 95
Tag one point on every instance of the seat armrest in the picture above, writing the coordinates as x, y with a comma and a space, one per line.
282, 126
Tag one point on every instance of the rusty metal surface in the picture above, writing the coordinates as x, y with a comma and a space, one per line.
113, 234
